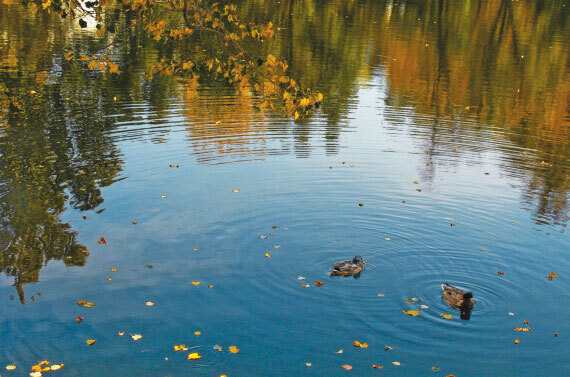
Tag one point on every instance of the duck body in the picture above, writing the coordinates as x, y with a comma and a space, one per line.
458, 299
348, 267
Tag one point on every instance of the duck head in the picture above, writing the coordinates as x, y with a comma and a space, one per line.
358, 260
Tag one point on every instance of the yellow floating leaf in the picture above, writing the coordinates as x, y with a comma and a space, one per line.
339, 351
356, 343
446, 316
196, 283
36, 374
234, 349
90, 341
197, 333
180, 347
36, 368
267, 255
56, 367
416, 182
121, 333
517, 341
305, 285
10, 367
136, 336
149, 303
44, 362
377, 366
210, 286
351, 165
413, 313
455, 149
194, 356
435, 368
347, 367
89, 304
236, 190
396, 363
113, 270
387, 348
308, 364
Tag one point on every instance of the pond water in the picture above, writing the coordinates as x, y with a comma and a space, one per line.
449, 121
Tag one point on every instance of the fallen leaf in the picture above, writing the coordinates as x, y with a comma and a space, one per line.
267, 255
196, 283
102, 241
522, 329
380, 294
305, 285
210, 286
511, 313
136, 337
148, 265
194, 356
56, 367
84, 217
90, 341
455, 149
413, 299
275, 227
236, 190
556, 334
10, 367
262, 237
482, 249
300, 278
109, 278
446, 316
233, 349
197, 333
79, 319
500, 136
413, 313
36, 374
377, 366
113, 270
396, 363
552, 275
424, 306
388, 239
174, 165
517, 341
500, 273
525, 322
347, 367
351, 165
195, 249
218, 348
319, 283
121, 333
356, 343
134, 222
149, 303
387, 348
416, 182
163, 196
308, 364
435, 368
339, 351
277, 246
89, 304
361, 204
180, 347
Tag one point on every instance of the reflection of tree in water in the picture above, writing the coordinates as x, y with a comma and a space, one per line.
479, 69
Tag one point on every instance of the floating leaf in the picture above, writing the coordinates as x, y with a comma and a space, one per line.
522, 329
149, 303
210, 286
218, 348
435, 368
446, 316
308, 364
113, 270
377, 366
424, 306
387, 348
79, 319
413, 299
148, 265
319, 283
413, 313
36, 374
552, 275
262, 237
121, 333
267, 255
180, 347
136, 337
275, 227
500, 273
556, 334
351, 165
517, 341
102, 241
89, 304
236, 190
380, 294
455, 149
482, 249
56, 366
194, 356
511, 313
305, 285
416, 182
396, 363
339, 351
81, 302
90, 341
347, 367
174, 165
300, 278
163, 196
196, 283
233, 349
360, 204
10, 367
197, 333
134, 222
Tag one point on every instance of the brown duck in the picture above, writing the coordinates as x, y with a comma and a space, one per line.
349, 267
458, 299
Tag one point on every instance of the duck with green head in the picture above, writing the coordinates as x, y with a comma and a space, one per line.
352, 267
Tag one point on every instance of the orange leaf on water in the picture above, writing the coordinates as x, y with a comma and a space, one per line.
446, 316
387, 348
339, 351
233, 349
413, 313
318, 283
347, 367
517, 341
90, 341
500, 273
102, 241
377, 366
79, 319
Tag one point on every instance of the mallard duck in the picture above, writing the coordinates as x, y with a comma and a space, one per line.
348, 267
459, 299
